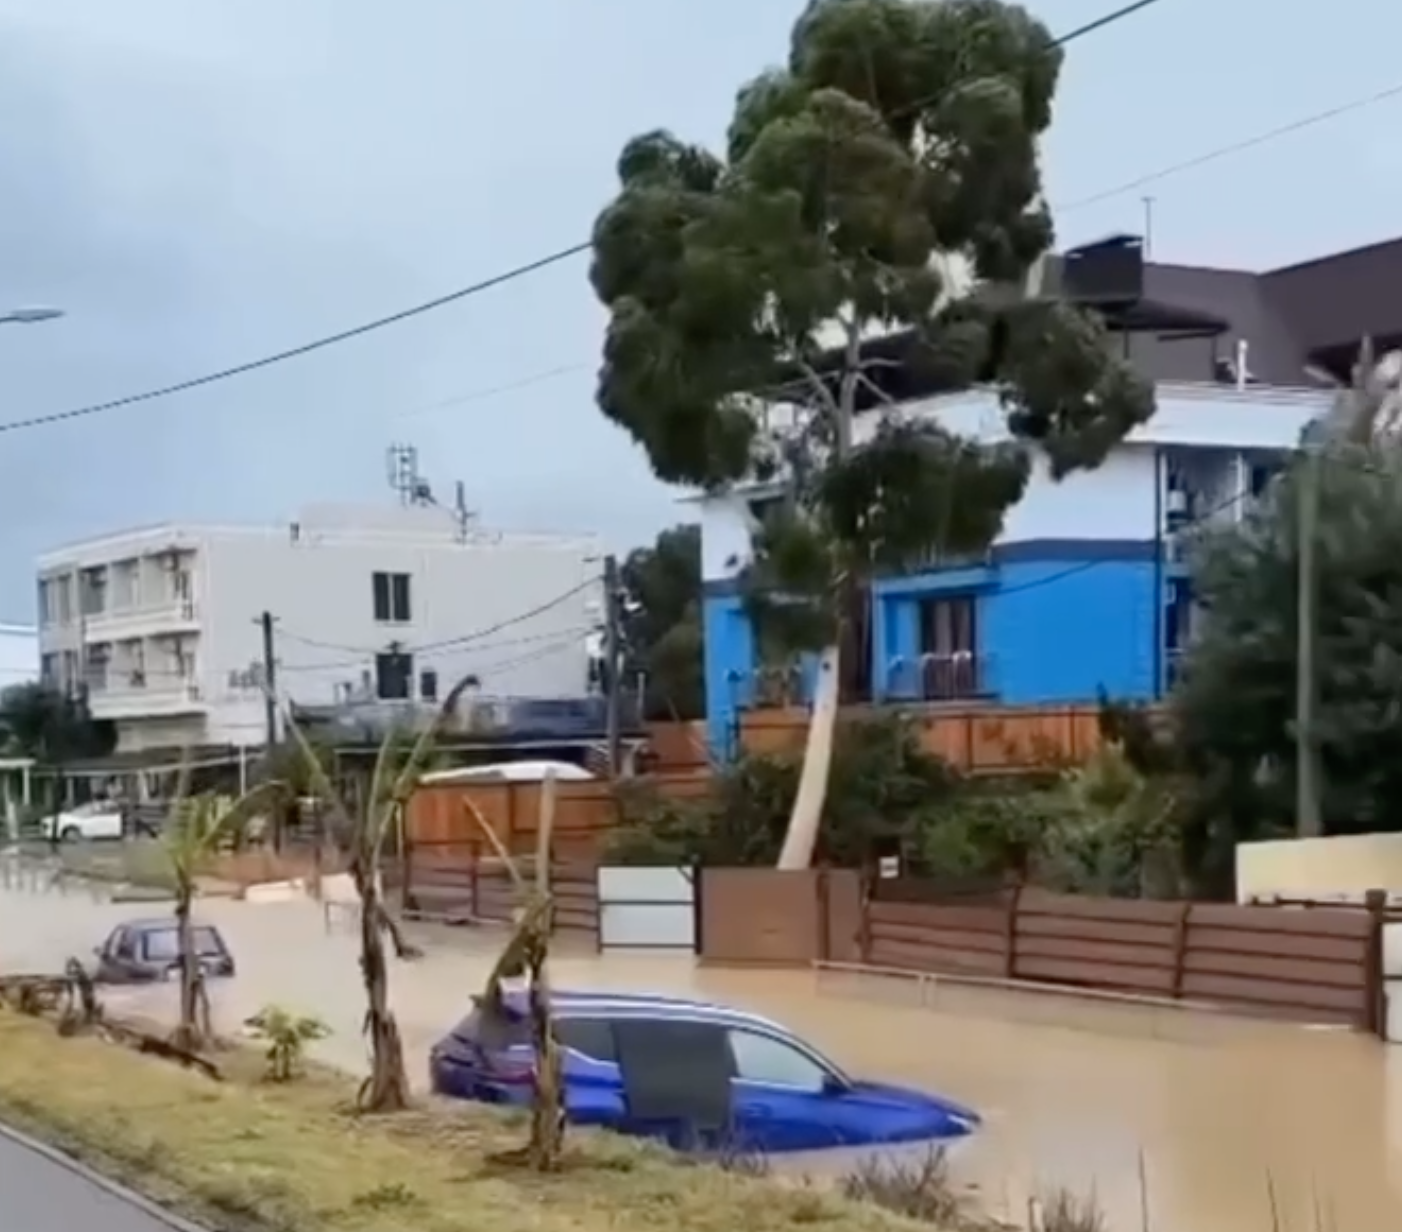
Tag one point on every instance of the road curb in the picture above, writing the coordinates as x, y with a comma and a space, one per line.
178, 1223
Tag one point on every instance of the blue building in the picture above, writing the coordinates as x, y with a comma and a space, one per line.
1086, 589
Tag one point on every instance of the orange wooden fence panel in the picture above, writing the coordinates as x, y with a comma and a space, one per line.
584, 812
976, 739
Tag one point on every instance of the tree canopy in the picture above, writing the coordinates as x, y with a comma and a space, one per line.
899, 142
40, 722
896, 150
662, 623
1234, 710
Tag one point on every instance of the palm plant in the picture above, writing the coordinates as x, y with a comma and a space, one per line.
198, 826
525, 955
370, 827
287, 1035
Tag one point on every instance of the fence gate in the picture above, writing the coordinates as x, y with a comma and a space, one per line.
647, 909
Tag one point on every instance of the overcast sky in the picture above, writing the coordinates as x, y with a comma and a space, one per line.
197, 182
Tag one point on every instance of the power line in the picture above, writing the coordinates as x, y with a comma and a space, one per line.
345, 335
478, 395
466, 639
520, 271
1238, 147
364, 652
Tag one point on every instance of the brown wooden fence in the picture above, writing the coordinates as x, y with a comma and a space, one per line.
584, 812
1317, 965
975, 739
459, 885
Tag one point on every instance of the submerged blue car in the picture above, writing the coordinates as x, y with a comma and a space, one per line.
783, 1094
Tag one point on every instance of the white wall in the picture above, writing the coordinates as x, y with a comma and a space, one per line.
321, 592
1115, 501
317, 581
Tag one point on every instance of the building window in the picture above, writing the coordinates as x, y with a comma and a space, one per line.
428, 685
92, 591
949, 647
394, 676
391, 592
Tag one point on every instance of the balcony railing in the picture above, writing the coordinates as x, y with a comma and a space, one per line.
957, 676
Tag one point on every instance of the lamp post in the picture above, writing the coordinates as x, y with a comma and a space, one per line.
30, 316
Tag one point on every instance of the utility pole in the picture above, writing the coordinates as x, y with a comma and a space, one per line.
1308, 823
1148, 226
613, 661
269, 680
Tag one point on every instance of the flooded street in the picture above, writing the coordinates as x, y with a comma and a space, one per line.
1214, 1113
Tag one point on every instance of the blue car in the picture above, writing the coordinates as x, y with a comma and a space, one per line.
784, 1094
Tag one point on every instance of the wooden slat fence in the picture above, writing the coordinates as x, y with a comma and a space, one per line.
1316, 965
461, 885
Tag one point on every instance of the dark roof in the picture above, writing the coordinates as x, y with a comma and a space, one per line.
1187, 321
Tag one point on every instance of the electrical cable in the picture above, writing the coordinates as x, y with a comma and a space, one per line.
267, 361
1238, 147
520, 271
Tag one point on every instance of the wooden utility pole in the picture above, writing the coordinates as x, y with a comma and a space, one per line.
613, 662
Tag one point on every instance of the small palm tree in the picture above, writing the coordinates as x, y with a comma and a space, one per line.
371, 827
526, 954
198, 826
287, 1035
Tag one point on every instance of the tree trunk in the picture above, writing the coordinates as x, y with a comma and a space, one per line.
188, 1034
387, 1087
802, 836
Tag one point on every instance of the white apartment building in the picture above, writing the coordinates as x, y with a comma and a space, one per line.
163, 624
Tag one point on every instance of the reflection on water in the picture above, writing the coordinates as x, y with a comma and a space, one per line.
1214, 1111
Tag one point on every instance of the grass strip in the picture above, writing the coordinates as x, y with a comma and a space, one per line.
247, 1155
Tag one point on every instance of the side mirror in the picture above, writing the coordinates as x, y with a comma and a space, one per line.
833, 1085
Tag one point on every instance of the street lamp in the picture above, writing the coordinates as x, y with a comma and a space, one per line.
30, 316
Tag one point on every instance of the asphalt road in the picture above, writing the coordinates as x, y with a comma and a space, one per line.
39, 1195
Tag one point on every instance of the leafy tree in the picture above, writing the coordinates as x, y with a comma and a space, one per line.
899, 142
1232, 724
662, 623
39, 721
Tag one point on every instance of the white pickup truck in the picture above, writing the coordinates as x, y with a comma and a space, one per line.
98, 820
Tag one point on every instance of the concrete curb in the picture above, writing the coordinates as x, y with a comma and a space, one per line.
82, 1171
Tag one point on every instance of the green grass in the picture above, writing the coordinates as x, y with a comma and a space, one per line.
246, 1154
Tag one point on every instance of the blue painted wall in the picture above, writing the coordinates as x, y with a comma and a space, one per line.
1056, 623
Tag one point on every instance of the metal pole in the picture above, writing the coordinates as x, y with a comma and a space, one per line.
613, 662
269, 680
1308, 823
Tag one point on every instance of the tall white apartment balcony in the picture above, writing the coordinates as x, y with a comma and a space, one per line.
142, 620
122, 697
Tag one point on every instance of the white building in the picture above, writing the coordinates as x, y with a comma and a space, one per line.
19, 655
163, 624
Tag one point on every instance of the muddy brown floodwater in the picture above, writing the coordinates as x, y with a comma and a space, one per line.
1214, 1114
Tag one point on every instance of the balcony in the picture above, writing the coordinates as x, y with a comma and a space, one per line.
149, 620
961, 676
126, 696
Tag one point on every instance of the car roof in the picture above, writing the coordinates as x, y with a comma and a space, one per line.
152, 923
569, 1003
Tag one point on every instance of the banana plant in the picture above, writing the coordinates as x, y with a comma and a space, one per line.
197, 828
371, 826
525, 955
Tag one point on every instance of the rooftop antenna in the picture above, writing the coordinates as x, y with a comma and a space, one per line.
462, 515
1148, 226
402, 468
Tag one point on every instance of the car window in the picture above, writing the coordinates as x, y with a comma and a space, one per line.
163, 944
763, 1058
591, 1036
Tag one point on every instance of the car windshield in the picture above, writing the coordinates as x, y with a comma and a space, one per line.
163, 944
